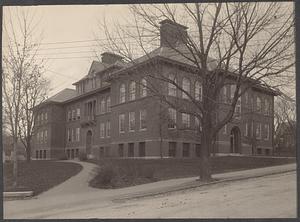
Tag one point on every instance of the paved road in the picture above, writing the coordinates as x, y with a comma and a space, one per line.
269, 196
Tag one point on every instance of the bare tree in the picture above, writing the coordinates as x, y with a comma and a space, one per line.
285, 117
242, 44
22, 79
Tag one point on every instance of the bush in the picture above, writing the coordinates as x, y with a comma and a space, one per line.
63, 157
82, 156
108, 176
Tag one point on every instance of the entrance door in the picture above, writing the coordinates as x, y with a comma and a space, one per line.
88, 142
235, 140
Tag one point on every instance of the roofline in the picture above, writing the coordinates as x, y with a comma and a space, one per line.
86, 94
256, 86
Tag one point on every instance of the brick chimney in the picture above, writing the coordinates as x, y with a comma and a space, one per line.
172, 34
110, 58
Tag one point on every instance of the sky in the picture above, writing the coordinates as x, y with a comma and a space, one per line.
68, 32
65, 31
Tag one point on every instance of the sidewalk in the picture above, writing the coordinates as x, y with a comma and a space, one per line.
192, 182
60, 199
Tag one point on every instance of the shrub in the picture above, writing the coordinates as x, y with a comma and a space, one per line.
63, 157
82, 156
107, 176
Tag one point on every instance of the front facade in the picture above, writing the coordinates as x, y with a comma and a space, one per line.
112, 113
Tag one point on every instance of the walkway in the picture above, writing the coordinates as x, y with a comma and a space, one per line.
75, 194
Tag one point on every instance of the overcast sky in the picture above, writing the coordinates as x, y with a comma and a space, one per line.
68, 32
66, 24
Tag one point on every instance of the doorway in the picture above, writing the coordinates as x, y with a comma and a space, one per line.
89, 142
235, 140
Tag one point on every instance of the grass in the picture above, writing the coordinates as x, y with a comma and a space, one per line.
38, 176
116, 173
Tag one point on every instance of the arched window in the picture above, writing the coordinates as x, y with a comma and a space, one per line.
143, 87
186, 86
258, 104
198, 91
108, 104
171, 86
102, 106
122, 93
132, 90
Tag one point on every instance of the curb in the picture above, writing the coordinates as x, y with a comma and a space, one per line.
17, 195
191, 186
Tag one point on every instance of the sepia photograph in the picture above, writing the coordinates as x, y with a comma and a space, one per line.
166, 110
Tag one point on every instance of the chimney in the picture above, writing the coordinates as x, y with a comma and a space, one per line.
172, 33
110, 58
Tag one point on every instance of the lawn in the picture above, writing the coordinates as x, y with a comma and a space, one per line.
39, 176
115, 173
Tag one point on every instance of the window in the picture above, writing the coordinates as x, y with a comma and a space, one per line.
238, 109
258, 104
142, 149
76, 152
77, 134
108, 104
42, 137
122, 123
132, 90
259, 151
78, 113
258, 131
45, 136
121, 150
171, 86
102, 130
131, 121
186, 150
73, 115
42, 117
130, 149
73, 135
246, 98
267, 107
143, 88
69, 116
198, 124
122, 93
186, 86
102, 106
267, 132
69, 135
143, 114
41, 154
46, 116
108, 129
38, 118
185, 120
172, 149
198, 150
45, 154
224, 97
171, 118
232, 91
246, 129
225, 129
36, 154
198, 91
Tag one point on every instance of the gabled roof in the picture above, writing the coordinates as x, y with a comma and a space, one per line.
62, 96
97, 67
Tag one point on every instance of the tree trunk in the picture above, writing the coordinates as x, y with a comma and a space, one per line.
15, 163
205, 160
28, 151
